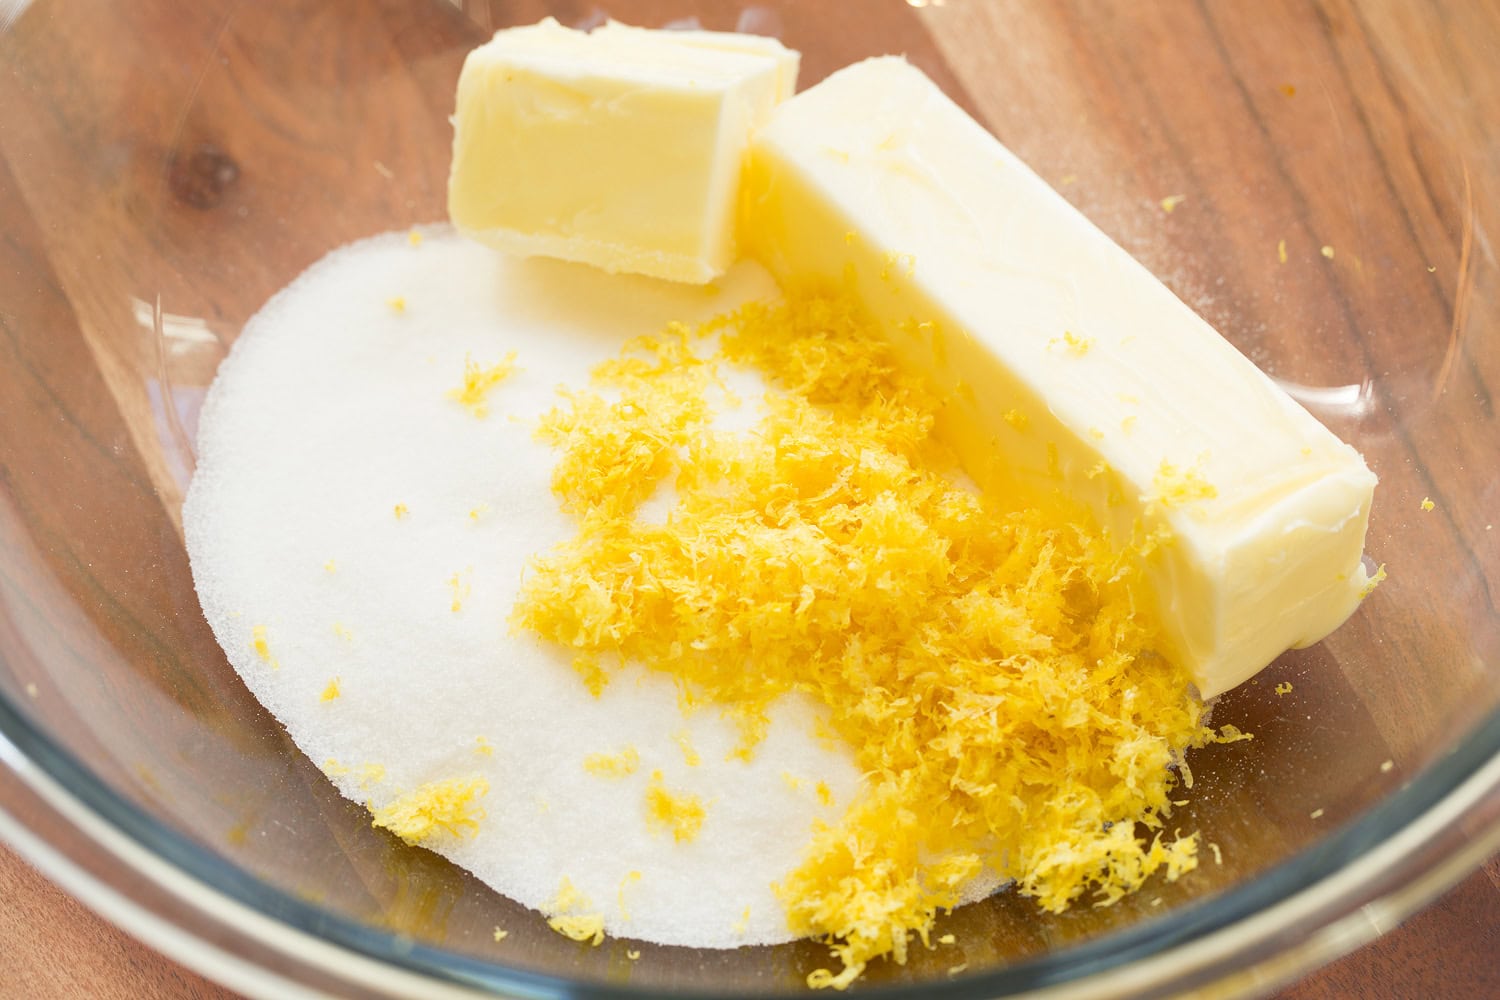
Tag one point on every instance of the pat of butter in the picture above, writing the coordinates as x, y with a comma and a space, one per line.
620, 148
788, 61
1071, 370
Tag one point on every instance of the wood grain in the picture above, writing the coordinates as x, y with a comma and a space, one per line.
165, 167
53, 948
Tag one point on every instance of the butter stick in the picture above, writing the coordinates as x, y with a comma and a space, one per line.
1072, 372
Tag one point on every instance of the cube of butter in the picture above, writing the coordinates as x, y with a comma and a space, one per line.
788, 61
619, 148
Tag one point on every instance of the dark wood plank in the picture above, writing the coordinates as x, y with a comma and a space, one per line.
1447, 950
52, 947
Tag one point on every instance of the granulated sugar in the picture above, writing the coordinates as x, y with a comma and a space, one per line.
330, 414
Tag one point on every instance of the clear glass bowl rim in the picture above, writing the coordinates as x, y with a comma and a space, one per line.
1430, 794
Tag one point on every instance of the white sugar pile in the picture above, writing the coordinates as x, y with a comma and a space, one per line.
330, 412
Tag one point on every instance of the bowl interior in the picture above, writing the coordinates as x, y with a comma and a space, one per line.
165, 167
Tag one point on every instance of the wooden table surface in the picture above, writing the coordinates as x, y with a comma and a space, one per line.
211, 200
52, 947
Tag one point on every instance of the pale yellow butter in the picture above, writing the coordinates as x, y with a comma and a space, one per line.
1072, 371
788, 61
620, 148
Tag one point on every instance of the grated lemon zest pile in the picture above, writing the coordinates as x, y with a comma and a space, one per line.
446, 806
478, 381
985, 665
680, 813
614, 454
331, 692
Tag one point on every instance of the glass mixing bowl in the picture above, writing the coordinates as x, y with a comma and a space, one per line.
165, 166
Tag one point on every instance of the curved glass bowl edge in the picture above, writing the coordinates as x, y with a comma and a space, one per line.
1450, 778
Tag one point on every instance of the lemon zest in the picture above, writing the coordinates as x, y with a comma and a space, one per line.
1010, 709
1376, 579
479, 380
630, 878
1173, 486
587, 926
1072, 343
684, 741
261, 644
616, 765
679, 813
459, 589
446, 807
